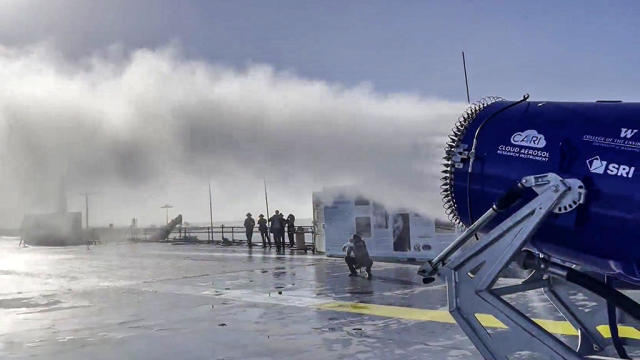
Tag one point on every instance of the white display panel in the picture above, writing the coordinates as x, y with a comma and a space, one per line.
388, 234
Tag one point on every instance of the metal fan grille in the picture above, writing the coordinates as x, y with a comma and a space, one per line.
452, 155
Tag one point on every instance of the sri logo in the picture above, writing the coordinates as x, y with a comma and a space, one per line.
627, 133
529, 138
597, 166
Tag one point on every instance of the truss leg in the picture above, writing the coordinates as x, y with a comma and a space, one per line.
584, 318
587, 312
472, 273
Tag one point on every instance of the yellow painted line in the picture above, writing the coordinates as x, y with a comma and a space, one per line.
623, 330
557, 327
390, 311
487, 320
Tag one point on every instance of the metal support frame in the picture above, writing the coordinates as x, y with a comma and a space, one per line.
559, 293
587, 312
472, 272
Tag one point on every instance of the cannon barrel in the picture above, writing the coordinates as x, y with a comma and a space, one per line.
495, 143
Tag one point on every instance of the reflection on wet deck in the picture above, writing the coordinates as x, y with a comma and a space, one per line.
152, 301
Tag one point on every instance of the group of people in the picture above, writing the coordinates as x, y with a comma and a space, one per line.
357, 255
276, 225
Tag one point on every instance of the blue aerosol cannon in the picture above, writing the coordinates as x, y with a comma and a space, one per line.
555, 188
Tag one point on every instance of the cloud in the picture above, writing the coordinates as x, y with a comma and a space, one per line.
151, 126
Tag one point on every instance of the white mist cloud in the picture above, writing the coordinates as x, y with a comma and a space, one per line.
152, 127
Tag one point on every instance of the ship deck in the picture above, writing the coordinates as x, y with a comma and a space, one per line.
162, 301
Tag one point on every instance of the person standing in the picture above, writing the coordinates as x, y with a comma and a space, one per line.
291, 229
249, 224
264, 231
277, 228
283, 224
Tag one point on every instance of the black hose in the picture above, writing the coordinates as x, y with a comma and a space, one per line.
509, 198
613, 325
474, 144
620, 300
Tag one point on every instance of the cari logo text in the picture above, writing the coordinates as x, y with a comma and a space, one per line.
529, 138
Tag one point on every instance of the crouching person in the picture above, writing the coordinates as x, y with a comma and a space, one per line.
357, 256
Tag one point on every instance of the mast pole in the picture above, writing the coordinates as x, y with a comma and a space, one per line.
266, 199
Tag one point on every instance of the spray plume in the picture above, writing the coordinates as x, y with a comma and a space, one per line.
151, 126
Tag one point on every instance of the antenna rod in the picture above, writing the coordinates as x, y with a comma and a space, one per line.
266, 199
466, 82
211, 212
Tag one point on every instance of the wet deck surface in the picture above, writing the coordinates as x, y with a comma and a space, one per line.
161, 301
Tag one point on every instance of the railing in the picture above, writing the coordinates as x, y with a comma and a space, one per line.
218, 234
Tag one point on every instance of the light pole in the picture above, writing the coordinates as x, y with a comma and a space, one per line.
167, 207
211, 213
210, 207
86, 207
266, 199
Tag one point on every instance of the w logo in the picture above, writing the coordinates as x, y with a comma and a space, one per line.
627, 133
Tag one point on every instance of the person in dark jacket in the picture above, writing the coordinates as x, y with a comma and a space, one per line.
277, 229
291, 229
357, 256
249, 224
283, 223
264, 231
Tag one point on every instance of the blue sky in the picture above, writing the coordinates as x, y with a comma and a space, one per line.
556, 50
